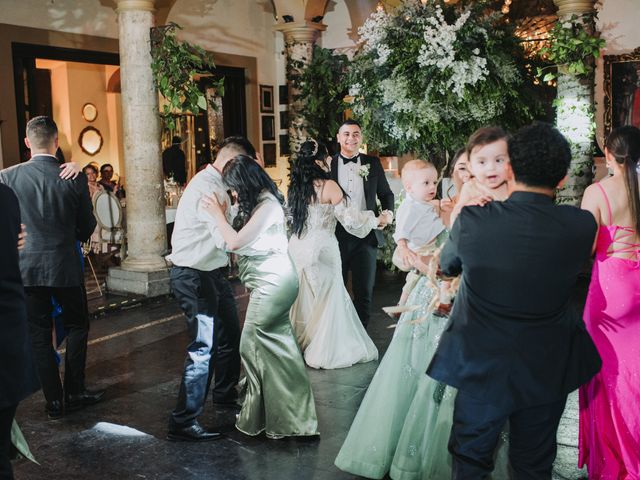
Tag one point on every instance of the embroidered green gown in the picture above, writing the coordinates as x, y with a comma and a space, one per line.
403, 424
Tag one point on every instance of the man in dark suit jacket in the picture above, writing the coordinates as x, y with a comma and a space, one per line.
174, 163
18, 377
515, 347
362, 178
57, 213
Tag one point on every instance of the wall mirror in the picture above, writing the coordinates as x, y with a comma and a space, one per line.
89, 112
90, 140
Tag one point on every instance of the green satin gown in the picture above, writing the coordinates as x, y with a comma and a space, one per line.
277, 397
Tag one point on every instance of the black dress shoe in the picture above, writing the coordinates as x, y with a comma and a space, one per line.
54, 410
80, 400
193, 433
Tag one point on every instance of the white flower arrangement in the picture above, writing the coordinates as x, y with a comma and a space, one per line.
428, 74
439, 49
363, 171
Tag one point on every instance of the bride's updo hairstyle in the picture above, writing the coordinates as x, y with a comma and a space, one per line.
244, 176
304, 172
624, 144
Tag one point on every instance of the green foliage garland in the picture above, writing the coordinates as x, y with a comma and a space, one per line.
174, 66
322, 87
572, 48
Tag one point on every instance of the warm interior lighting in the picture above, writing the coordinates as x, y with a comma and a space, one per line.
533, 32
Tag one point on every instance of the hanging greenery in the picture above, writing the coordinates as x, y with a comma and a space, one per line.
175, 65
322, 87
571, 50
570, 47
428, 75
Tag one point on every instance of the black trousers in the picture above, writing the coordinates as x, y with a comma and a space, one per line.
532, 438
75, 319
210, 308
6, 420
359, 256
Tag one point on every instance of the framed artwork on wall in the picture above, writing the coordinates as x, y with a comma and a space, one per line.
283, 94
266, 99
269, 153
621, 90
284, 145
284, 120
268, 127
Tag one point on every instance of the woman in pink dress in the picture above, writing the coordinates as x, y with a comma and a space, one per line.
610, 402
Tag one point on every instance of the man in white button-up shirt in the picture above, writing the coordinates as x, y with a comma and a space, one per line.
362, 178
198, 280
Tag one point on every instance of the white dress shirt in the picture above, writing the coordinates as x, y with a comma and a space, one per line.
417, 222
196, 241
351, 182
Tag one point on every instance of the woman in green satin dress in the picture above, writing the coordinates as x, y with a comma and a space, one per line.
278, 398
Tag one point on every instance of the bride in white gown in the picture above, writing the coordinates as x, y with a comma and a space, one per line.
324, 319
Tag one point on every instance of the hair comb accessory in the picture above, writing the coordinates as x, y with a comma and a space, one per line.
315, 146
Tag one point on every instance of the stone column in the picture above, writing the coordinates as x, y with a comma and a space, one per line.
144, 270
575, 109
299, 39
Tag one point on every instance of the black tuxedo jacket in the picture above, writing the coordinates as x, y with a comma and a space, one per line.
18, 376
375, 186
514, 340
56, 213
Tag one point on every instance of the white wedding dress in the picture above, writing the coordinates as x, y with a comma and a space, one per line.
324, 319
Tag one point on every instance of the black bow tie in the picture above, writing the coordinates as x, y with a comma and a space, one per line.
346, 160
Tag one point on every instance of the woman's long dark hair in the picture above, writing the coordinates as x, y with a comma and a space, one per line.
452, 167
304, 172
624, 144
244, 176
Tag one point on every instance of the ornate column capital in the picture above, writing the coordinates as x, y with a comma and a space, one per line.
136, 5
574, 7
300, 32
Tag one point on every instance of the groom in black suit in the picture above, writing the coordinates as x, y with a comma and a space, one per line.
362, 178
515, 347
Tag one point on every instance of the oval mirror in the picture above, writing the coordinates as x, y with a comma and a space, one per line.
90, 140
89, 112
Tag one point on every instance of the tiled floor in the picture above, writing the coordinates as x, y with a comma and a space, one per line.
137, 354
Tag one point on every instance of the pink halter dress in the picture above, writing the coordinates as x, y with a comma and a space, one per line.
610, 403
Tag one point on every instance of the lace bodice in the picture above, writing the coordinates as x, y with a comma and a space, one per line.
324, 216
321, 217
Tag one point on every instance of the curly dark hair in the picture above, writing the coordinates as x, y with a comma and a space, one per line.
624, 144
305, 171
244, 176
539, 155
